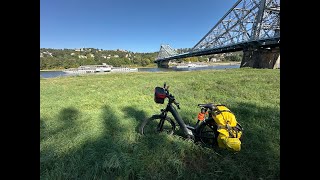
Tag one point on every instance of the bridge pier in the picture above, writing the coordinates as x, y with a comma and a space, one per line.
261, 58
163, 64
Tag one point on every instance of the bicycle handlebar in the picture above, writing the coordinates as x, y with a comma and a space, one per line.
170, 96
173, 100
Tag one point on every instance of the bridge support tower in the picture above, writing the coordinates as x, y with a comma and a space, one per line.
163, 64
261, 58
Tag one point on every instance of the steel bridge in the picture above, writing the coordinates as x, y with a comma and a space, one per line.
251, 26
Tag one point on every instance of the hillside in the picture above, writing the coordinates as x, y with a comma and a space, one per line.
72, 58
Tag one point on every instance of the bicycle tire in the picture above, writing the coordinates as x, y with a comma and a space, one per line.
207, 134
150, 126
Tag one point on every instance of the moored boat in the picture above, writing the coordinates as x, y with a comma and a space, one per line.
189, 65
89, 69
124, 69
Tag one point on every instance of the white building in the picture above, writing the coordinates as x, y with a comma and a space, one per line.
82, 56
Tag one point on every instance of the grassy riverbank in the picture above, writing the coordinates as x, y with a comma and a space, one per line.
88, 126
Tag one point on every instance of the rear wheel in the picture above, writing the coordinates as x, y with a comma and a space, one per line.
156, 124
207, 134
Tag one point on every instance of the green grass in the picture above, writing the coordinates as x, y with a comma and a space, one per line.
88, 126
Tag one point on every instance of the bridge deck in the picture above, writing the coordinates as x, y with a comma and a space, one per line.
271, 42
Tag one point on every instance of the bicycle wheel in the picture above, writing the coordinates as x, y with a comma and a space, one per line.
207, 134
153, 124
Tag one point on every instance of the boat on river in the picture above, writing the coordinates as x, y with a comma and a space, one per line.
89, 69
124, 69
189, 65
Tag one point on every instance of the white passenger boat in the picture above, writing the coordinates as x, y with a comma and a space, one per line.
89, 69
190, 65
124, 69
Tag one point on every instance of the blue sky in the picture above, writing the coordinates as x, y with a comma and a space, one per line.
134, 25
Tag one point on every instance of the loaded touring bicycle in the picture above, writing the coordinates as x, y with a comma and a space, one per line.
218, 125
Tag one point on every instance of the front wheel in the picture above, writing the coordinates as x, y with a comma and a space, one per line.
157, 124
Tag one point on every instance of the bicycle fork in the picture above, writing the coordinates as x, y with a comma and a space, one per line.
160, 125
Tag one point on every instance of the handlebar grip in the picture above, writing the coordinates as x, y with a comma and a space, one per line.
177, 104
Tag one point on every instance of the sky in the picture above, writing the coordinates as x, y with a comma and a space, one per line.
133, 25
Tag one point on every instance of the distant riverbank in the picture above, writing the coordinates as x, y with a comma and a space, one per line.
154, 66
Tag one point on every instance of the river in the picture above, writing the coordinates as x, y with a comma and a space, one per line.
52, 74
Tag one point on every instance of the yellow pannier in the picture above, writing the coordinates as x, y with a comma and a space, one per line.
229, 129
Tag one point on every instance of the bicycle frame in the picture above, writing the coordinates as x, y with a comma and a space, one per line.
170, 108
206, 130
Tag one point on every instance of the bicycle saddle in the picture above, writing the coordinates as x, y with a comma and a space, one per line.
210, 106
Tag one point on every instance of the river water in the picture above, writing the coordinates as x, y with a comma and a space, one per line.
52, 74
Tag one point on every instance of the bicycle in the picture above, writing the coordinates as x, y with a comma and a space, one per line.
206, 131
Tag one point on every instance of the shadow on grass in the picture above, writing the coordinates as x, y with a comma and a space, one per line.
65, 120
119, 152
113, 154
90, 158
260, 153
138, 115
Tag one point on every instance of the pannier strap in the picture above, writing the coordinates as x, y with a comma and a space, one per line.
227, 127
220, 111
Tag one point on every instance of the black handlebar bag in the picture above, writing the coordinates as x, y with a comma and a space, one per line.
159, 95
